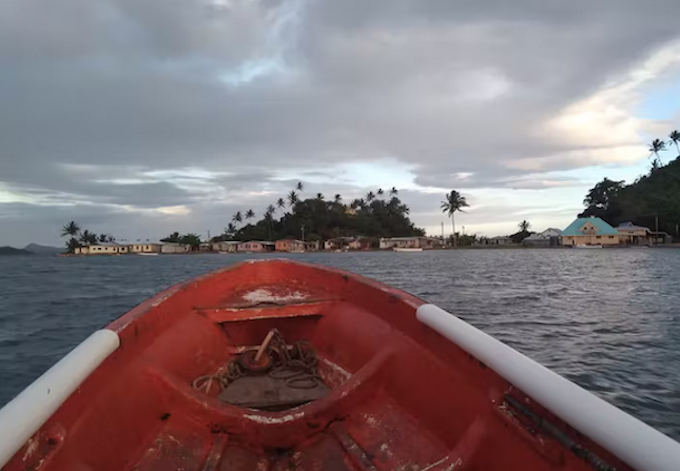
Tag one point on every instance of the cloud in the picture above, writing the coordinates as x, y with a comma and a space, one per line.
205, 104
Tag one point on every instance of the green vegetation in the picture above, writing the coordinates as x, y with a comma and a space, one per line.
194, 240
652, 197
316, 218
454, 202
78, 238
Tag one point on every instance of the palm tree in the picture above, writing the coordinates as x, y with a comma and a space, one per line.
320, 196
230, 230
380, 192
394, 191
88, 238
338, 198
110, 238
280, 203
269, 219
102, 238
675, 138
72, 244
250, 214
70, 229
657, 146
292, 198
370, 196
237, 217
524, 226
300, 186
362, 203
454, 202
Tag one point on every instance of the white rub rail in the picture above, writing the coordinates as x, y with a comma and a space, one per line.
631, 440
27, 412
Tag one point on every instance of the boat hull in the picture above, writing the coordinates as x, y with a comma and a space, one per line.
404, 249
411, 387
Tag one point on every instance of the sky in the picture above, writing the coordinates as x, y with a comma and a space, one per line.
139, 118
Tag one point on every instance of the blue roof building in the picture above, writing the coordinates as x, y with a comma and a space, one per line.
590, 231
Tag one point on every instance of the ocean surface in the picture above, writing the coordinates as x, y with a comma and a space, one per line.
607, 319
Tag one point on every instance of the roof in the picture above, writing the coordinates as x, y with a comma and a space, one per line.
263, 242
298, 241
106, 244
546, 234
601, 227
229, 242
629, 226
499, 238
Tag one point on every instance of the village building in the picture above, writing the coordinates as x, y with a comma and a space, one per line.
633, 234
290, 245
146, 247
591, 231
256, 246
417, 242
312, 245
550, 237
174, 248
105, 248
225, 246
497, 240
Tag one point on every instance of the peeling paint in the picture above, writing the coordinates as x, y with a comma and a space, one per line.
263, 419
30, 449
338, 369
436, 463
263, 295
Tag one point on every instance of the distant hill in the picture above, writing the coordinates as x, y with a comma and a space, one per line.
43, 249
13, 251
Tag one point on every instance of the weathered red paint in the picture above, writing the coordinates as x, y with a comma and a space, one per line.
402, 398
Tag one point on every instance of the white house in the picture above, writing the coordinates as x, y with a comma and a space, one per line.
174, 247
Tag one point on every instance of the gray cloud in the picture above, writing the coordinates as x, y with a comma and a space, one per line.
249, 89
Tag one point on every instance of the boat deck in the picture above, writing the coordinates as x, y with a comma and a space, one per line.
401, 396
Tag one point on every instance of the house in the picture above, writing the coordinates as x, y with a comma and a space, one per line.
82, 250
204, 247
338, 243
591, 231
410, 242
256, 246
290, 245
312, 245
359, 243
146, 247
632, 234
548, 238
107, 248
174, 248
226, 246
498, 240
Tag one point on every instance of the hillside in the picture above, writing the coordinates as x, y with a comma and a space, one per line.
12, 251
651, 196
43, 249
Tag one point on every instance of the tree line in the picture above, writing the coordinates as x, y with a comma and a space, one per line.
652, 200
377, 214
79, 238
